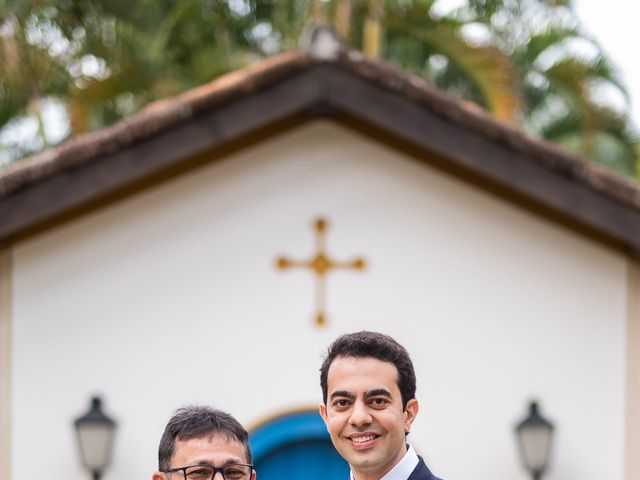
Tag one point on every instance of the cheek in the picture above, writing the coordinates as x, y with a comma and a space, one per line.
334, 423
394, 422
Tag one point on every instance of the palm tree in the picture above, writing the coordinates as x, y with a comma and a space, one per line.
562, 105
30, 74
563, 73
142, 50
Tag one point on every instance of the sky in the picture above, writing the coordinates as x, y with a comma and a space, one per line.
614, 23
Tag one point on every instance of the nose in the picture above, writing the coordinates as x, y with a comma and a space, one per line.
360, 414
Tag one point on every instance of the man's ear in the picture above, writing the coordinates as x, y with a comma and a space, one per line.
323, 412
158, 476
253, 475
410, 414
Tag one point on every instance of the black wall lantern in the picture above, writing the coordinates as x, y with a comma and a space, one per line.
534, 435
95, 432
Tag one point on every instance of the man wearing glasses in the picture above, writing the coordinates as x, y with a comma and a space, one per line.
368, 405
201, 443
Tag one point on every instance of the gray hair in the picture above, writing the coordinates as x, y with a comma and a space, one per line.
199, 421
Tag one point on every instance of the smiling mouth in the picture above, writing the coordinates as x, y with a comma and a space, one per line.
363, 440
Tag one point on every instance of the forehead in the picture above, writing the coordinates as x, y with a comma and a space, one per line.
361, 373
216, 450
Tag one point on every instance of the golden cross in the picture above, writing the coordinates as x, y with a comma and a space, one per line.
320, 264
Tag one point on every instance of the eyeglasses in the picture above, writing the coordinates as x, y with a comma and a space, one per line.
232, 471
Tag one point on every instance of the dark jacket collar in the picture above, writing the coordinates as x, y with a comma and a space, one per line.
422, 472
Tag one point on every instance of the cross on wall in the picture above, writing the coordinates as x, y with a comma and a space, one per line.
320, 264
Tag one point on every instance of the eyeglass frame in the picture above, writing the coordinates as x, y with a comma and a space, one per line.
215, 469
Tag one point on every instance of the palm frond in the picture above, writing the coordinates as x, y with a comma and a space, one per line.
541, 42
489, 70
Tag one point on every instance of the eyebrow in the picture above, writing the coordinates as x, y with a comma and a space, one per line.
342, 393
378, 392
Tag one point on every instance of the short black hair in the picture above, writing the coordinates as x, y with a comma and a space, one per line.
197, 421
379, 346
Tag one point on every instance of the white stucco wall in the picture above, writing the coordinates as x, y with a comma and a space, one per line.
172, 297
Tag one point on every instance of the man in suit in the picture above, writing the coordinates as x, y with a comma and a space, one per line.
368, 405
201, 443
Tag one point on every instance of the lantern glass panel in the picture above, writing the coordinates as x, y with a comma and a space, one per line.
95, 444
534, 443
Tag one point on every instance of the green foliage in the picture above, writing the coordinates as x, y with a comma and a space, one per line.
104, 59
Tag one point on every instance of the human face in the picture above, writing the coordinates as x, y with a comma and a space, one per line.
216, 450
364, 415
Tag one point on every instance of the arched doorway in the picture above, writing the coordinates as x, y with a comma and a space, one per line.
296, 446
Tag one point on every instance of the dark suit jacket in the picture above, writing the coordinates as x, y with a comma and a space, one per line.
421, 472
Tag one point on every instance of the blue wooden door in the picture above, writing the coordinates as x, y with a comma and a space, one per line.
296, 447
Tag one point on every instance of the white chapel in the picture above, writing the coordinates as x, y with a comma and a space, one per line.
210, 248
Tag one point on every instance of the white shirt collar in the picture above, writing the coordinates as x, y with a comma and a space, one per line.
403, 468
